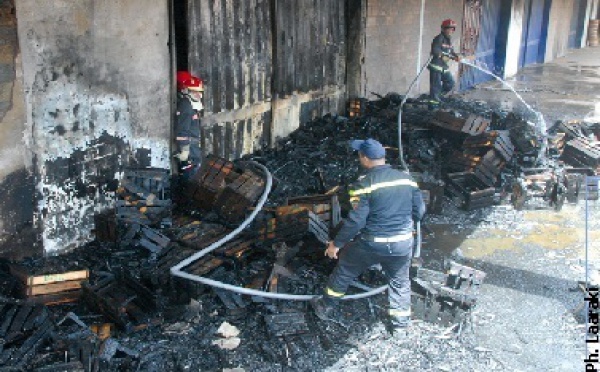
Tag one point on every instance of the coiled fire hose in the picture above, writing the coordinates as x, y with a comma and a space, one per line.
177, 270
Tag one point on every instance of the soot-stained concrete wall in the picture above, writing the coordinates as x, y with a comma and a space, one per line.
17, 237
97, 83
395, 43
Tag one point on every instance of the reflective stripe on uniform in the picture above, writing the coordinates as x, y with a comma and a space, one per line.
398, 312
383, 185
436, 67
393, 239
332, 293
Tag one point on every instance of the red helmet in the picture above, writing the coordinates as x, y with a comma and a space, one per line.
185, 80
448, 23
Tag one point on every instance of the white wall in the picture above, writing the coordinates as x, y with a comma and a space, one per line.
515, 30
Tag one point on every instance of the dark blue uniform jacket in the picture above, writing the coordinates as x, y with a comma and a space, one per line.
440, 46
386, 202
188, 126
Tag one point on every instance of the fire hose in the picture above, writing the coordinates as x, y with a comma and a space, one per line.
177, 270
401, 156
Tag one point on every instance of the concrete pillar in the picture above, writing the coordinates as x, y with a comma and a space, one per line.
513, 41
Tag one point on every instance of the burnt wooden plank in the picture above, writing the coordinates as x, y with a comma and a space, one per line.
219, 19
31, 279
228, 141
228, 53
239, 32
19, 320
56, 298
8, 318
35, 318
250, 53
240, 138
29, 347
53, 288
263, 50
217, 140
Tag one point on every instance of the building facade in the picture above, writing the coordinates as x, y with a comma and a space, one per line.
88, 86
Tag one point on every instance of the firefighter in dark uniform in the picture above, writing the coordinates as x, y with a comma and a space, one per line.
441, 80
386, 203
187, 128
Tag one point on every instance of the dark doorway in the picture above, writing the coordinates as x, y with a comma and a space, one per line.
180, 20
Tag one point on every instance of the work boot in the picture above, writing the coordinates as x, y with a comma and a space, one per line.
399, 324
400, 321
323, 307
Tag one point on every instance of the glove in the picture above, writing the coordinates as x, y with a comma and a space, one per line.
184, 154
185, 166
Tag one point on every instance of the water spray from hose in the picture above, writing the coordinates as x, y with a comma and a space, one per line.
540, 121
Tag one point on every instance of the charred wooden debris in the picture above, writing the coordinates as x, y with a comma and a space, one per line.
67, 312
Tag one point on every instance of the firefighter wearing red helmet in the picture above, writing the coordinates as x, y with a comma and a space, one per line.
190, 91
441, 80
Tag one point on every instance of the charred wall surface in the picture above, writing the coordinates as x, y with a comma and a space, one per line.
96, 77
310, 62
268, 66
16, 181
230, 48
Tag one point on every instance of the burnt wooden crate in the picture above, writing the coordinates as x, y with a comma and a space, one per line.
291, 222
556, 143
286, 324
159, 275
105, 226
146, 183
523, 135
446, 298
490, 166
123, 300
475, 125
49, 288
498, 140
239, 195
144, 236
449, 121
236, 248
470, 190
204, 265
326, 207
209, 182
581, 152
485, 163
144, 197
24, 328
357, 107
571, 129
432, 191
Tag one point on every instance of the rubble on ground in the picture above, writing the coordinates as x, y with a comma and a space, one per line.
129, 313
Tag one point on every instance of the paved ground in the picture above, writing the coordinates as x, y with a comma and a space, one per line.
534, 258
